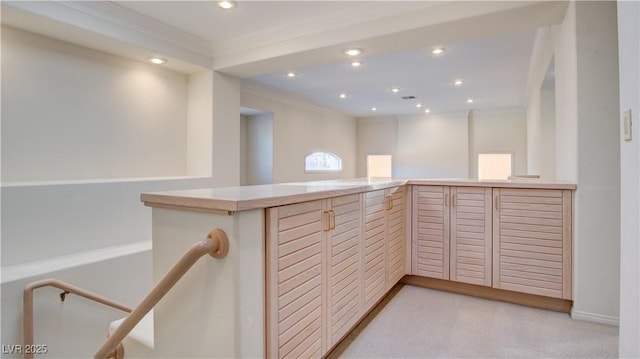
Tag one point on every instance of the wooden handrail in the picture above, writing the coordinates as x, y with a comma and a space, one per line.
27, 302
216, 245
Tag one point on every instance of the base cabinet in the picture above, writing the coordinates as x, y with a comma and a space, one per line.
344, 257
532, 241
471, 235
505, 238
328, 263
397, 235
384, 241
452, 233
296, 281
430, 237
374, 237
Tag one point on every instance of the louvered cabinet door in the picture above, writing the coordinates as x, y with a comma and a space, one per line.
471, 235
396, 234
532, 241
430, 237
295, 281
345, 273
374, 247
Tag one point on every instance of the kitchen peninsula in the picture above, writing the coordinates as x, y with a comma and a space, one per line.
307, 261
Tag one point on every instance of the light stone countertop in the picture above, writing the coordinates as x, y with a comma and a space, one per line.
242, 198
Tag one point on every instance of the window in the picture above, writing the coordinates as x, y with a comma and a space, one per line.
494, 166
322, 162
379, 166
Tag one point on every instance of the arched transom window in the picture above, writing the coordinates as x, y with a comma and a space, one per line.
322, 162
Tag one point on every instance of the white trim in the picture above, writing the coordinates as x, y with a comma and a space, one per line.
99, 181
595, 318
36, 268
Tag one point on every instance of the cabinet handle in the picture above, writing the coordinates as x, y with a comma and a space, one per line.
387, 203
453, 200
327, 221
332, 221
446, 200
391, 200
497, 203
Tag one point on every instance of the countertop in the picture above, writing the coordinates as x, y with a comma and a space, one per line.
242, 198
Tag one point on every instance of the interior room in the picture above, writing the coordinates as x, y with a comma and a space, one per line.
131, 129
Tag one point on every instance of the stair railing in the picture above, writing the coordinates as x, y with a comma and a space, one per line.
27, 302
216, 244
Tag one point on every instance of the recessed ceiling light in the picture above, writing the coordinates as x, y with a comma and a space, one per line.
374, 109
437, 51
156, 60
418, 105
427, 110
226, 4
470, 100
353, 52
458, 82
356, 63
395, 89
291, 74
343, 95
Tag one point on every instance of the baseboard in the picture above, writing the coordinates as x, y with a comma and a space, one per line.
595, 318
530, 300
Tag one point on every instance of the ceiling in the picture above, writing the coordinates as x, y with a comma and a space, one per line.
494, 72
487, 44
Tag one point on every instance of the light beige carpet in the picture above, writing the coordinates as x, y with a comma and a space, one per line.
414, 322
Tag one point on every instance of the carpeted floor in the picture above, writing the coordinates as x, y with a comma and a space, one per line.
414, 322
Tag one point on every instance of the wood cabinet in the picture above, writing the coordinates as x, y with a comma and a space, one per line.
384, 242
505, 238
532, 241
344, 257
374, 247
296, 280
430, 237
452, 233
471, 235
397, 235
328, 263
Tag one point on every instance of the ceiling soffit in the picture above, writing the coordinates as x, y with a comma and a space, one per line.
409, 27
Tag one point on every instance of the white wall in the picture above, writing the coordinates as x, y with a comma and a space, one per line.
629, 58
587, 145
69, 112
432, 146
376, 136
443, 146
259, 149
77, 327
299, 129
533, 134
498, 131
548, 133
40, 222
199, 124
565, 54
226, 130
244, 148
597, 225
541, 110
